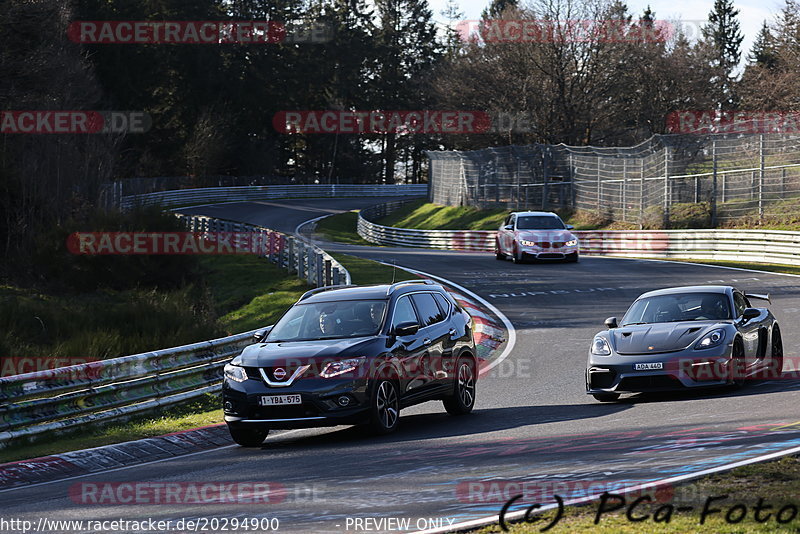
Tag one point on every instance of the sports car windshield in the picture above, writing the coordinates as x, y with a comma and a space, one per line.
329, 320
539, 222
674, 308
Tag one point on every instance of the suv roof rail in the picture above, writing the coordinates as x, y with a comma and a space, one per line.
405, 282
323, 288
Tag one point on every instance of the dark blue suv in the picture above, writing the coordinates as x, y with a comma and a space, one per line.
353, 355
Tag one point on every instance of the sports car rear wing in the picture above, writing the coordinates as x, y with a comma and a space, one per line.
755, 296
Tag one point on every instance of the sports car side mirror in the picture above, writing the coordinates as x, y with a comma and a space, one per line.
750, 313
611, 322
508, 227
570, 227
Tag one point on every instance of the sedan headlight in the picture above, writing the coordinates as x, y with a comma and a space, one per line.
341, 367
600, 347
712, 339
526, 243
234, 372
571, 243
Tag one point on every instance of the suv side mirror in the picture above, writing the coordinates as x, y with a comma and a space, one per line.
260, 335
750, 313
611, 322
408, 328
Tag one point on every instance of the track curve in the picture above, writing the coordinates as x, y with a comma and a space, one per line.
533, 422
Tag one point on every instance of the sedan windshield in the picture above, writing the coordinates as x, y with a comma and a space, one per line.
539, 222
329, 320
678, 307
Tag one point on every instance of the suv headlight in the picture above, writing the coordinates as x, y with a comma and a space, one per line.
571, 243
712, 339
526, 243
234, 372
600, 347
341, 367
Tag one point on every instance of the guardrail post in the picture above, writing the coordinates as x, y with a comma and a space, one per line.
328, 280
319, 268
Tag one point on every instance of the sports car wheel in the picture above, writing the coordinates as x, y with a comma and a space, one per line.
463, 399
497, 254
738, 364
385, 407
248, 437
606, 397
776, 363
517, 256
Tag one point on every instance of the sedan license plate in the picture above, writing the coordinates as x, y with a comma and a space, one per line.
647, 366
279, 400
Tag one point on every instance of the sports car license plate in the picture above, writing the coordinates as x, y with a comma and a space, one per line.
279, 400
647, 366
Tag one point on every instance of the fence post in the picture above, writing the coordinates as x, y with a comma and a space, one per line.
641, 194
714, 183
546, 180
599, 185
624, 189
783, 182
761, 177
666, 187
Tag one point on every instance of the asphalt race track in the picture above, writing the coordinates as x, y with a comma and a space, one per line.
533, 421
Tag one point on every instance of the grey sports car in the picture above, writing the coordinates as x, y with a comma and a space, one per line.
684, 337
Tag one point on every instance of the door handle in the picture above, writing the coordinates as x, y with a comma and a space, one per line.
426, 341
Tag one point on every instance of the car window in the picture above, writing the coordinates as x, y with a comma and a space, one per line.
739, 303
404, 312
444, 305
539, 222
678, 307
429, 312
329, 320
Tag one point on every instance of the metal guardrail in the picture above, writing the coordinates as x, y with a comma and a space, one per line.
47, 402
185, 197
757, 246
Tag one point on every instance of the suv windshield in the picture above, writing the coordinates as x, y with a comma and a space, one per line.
539, 222
329, 320
674, 308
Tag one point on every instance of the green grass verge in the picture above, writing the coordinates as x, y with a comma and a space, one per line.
427, 216
366, 272
203, 411
341, 228
777, 482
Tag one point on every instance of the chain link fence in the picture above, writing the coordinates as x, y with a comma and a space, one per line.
695, 180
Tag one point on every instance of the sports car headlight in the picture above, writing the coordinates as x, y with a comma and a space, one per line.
712, 339
341, 367
571, 243
600, 347
526, 243
234, 372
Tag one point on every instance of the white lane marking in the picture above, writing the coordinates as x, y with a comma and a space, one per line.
699, 264
124, 467
512, 333
491, 519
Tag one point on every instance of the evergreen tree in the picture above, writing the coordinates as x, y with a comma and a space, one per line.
763, 51
723, 33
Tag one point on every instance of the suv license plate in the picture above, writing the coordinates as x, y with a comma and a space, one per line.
647, 366
279, 400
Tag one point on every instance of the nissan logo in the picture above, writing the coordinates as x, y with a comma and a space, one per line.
279, 373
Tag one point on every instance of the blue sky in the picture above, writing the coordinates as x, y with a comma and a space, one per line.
752, 12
